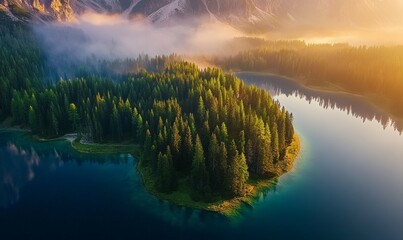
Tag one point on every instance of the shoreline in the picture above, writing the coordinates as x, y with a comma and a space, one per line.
329, 89
227, 207
230, 207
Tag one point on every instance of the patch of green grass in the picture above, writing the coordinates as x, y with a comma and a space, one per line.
133, 149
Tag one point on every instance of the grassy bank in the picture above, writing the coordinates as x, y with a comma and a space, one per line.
133, 149
228, 207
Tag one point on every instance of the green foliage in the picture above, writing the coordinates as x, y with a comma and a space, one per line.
199, 174
73, 116
275, 143
204, 127
196, 114
376, 72
238, 175
22, 65
165, 172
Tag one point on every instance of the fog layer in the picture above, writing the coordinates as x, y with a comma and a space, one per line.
112, 36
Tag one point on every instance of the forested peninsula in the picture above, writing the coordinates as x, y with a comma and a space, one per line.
202, 137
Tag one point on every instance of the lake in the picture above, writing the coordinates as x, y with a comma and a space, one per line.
347, 183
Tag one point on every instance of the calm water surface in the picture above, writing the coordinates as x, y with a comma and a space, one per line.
347, 184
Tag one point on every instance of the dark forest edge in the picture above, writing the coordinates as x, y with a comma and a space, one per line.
202, 130
373, 72
230, 206
182, 196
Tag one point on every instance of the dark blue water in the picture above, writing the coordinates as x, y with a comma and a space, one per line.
347, 184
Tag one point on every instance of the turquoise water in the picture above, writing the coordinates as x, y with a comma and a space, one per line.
347, 184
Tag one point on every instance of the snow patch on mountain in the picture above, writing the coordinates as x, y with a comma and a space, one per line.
126, 13
168, 11
212, 16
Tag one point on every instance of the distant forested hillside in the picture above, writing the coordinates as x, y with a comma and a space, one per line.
375, 72
22, 63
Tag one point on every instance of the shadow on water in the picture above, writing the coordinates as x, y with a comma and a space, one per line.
22, 158
352, 104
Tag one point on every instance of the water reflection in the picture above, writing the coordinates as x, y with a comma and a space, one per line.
354, 105
21, 159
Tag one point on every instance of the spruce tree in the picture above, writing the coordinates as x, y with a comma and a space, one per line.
199, 174
187, 150
73, 116
238, 175
274, 143
213, 162
222, 166
164, 174
176, 144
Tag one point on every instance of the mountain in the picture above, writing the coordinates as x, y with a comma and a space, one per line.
243, 14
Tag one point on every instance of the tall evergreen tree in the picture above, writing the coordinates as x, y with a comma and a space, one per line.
187, 150
73, 116
164, 173
199, 174
238, 175
213, 162
274, 143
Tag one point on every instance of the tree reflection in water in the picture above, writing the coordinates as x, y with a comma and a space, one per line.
21, 158
352, 104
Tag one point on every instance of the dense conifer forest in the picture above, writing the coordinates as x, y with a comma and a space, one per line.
375, 72
202, 125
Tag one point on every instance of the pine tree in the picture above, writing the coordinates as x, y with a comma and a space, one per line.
114, 123
241, 142
147, 149
281, 134
249, 153
164, 174
205, 134
172, 179
201, 110
289, 128
213, 162
238, 175
176, 144
73, 116
224, 133
140, 129
274, 143
32, 119
153, 157
264, 156
54, 123
232, 151
199, 174
222, 166
187, 150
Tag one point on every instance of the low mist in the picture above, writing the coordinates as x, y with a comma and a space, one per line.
100, 36
112, 37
